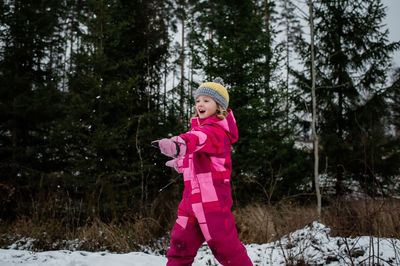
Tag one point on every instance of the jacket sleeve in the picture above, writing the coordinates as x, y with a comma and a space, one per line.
207, 139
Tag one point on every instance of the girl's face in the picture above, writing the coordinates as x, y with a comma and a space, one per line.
205, 106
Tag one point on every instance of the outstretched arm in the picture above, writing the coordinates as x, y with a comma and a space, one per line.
207, 140
173, 147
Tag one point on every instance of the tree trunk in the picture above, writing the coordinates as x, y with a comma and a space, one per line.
287, 64
314, 112
182, 82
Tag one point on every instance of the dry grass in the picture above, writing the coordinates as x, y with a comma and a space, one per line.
364, 217
56, 225
95, 235
265, 223
121, 237
256, 224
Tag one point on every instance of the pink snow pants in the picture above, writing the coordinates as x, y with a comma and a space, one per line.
212, 222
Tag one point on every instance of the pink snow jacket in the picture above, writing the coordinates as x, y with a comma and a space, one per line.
204, 212
208, 156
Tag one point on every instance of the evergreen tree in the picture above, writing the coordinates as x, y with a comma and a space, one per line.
352, 58
391, 161
394, 93
30, 102
112, 102
289, 23
234, 41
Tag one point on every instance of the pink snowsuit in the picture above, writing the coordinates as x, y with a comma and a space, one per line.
204, 214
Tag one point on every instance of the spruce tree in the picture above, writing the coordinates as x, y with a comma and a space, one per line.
390, 163
30, 101
288, 25
352, 58
112, 102
234, 41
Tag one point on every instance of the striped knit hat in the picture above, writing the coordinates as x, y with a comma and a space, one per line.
215, 90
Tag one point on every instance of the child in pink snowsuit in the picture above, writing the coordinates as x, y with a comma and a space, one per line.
203, 155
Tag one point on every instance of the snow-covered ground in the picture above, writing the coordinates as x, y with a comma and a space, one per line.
311, 245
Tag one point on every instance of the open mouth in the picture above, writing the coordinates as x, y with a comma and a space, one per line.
202, 111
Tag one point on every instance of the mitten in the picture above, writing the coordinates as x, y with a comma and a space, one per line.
173, 147
174, 163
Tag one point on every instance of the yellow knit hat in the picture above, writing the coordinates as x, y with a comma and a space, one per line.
215, 90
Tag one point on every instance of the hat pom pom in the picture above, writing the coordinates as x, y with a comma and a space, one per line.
219, 80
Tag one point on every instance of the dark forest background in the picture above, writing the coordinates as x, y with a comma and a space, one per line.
85, 86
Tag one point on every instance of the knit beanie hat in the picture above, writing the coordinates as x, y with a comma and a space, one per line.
215, 90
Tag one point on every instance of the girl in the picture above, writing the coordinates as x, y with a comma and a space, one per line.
203, 155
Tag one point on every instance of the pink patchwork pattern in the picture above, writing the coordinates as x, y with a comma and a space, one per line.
202, 137
188, 171
207, 162
208, 193
211, 135
218, 163
207, 188
195, 190
182, 221
186, 174
201, 218
199, 212
205, 231
208, 154
224, 124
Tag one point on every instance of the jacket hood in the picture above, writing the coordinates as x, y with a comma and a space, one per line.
228, 124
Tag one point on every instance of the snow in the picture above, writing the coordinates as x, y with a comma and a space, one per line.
77, 258
312, 245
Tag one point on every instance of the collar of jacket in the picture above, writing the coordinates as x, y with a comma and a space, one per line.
228, 124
